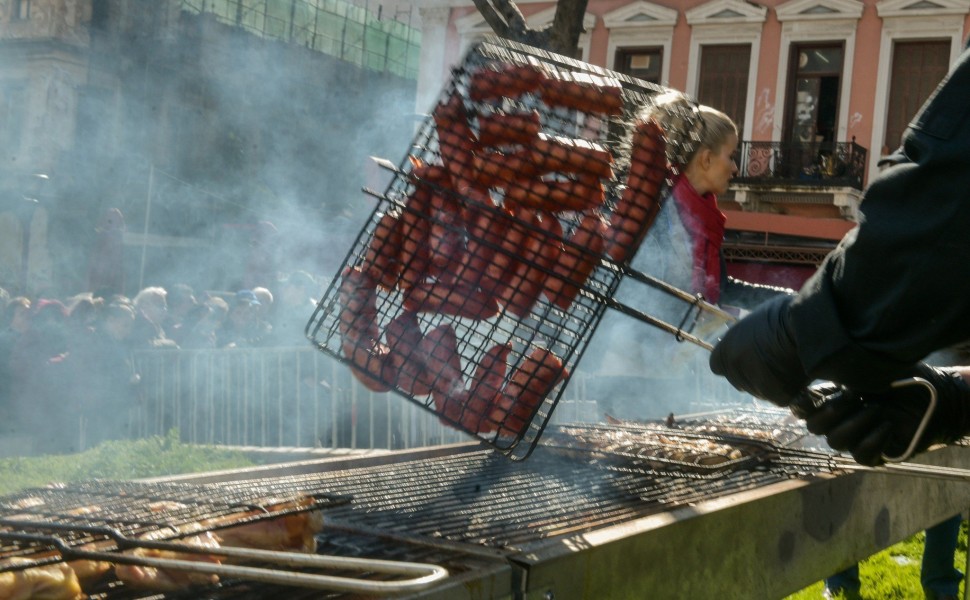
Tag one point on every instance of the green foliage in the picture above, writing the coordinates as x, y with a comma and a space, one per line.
129, 459
892, 574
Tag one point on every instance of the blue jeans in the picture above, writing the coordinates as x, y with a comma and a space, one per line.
937, 573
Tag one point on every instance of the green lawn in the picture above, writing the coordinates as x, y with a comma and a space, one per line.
149, 457
893, 574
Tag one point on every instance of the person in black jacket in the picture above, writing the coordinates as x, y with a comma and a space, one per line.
889, 295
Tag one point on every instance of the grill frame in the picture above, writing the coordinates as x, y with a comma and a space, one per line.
767, 540
801, 530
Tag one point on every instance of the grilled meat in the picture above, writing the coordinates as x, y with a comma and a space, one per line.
49, 582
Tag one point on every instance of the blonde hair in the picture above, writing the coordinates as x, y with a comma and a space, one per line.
688, 126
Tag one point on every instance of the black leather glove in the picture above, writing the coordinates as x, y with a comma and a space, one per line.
873, 425
758, 354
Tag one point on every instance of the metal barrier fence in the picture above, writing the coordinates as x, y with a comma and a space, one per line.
301, 397
273, 397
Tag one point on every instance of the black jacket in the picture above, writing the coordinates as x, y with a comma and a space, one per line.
898, 285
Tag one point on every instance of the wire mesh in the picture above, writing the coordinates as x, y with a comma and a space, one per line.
80, 513
487, 263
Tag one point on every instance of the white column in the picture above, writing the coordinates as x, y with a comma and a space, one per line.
431, 74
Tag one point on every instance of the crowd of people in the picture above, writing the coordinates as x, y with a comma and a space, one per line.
65, 361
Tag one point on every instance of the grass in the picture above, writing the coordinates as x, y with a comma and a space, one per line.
151, 457
893, 574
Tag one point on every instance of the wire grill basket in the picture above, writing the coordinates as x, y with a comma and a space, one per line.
490, 258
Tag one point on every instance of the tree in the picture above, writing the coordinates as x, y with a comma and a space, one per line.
561, 36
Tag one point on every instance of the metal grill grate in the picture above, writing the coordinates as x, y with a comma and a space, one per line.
83, 513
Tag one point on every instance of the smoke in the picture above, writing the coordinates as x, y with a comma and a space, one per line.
638, 371
235, 160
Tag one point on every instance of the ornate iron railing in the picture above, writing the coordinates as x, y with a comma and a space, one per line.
817, 164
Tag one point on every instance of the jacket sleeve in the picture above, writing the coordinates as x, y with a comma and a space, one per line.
896, 287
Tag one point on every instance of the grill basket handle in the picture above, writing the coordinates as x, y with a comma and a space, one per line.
422, 575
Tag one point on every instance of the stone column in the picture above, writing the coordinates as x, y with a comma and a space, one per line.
434, 38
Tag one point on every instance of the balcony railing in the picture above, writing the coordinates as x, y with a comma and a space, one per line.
816, 164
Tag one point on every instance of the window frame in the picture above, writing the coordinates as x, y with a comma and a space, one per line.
20, 10
902, 22
727, 22
641, 25
811, 22
625, 50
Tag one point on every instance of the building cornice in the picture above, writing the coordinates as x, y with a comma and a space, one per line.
920, 8
640, 15
819, 10
725, 12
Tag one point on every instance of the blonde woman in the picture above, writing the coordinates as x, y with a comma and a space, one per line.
644, 372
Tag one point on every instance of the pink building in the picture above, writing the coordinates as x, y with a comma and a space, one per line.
821, 89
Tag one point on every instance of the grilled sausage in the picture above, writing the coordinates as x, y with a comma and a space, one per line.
552, 153
368, 361
486, 226
456, 141
528, 387
485, 385
445, 236
423, 172
451, 299
583, 91
540, 252
403, 336
504, 81
382, 257
357, 323
415, 256
357, 297
583, 193
579, 257
507, 129
505, 260
496, 169
439, 351
640, 201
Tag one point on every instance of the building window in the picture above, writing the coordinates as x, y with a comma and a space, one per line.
642, 63
21, 10
723, 79
812, 102
917, 68
13, 111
